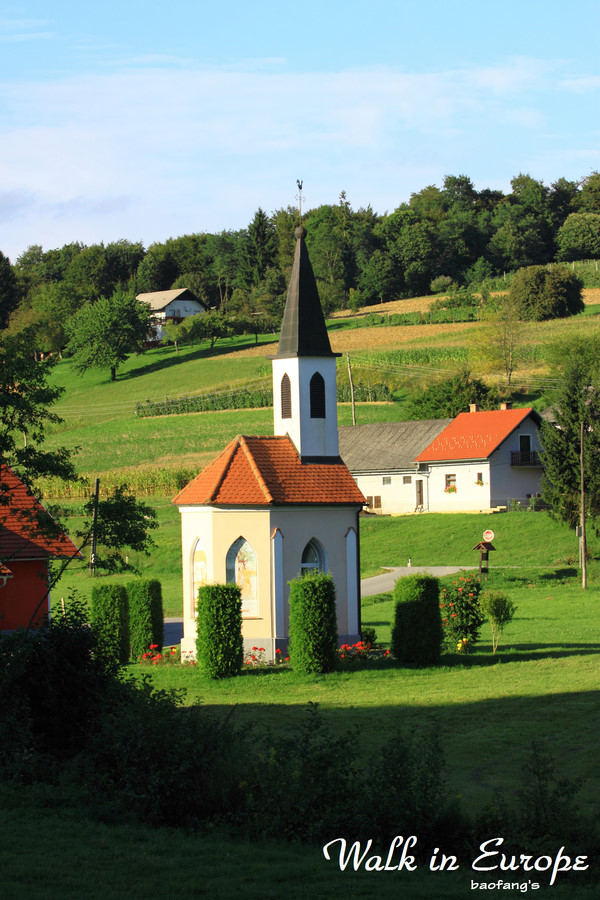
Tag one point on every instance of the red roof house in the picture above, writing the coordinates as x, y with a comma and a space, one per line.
483, 459
29, 539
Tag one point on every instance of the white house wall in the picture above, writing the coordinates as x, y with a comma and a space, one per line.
469, 496
398, 496
515, 482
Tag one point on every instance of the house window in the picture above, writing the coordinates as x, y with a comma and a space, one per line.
479, 479
376, 502
450, 485
286, 397
407, 479
317, 396
313, 557
241, 569
387, 479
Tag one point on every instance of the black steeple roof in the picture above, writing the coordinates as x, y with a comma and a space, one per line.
303, 329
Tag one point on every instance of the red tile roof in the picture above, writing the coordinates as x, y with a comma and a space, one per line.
267, 471
27, 530
474, 435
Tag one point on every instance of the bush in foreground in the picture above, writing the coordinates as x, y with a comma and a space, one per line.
313, 623
219, 647
417, 628
146, 622
110, 622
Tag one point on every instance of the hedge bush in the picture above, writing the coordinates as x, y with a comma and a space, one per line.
110, 622
313, 623
219, 647
146, 621
417, 628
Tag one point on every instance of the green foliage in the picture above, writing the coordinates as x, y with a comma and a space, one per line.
462, 616
541, 292
110, 623
441, 284
123, 522
9, 293
219, 646
313, 625
449, 397
104, 333
417, 629
579, 237
146, 621
577, 404
52, 685
500, 610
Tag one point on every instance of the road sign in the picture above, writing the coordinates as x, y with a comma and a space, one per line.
488, 535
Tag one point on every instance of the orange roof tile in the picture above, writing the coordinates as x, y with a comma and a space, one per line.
474, 435
267, 471
27, 530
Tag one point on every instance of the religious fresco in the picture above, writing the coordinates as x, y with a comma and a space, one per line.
199, 576
241, 569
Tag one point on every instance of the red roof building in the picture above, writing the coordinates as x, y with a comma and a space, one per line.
29, 539
268, 509
483, 459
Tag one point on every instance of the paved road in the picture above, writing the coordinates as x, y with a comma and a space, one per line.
379, 584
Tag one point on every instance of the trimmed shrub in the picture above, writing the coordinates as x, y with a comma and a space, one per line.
417, 629
110, 622
313, 623
219, 647
146, 622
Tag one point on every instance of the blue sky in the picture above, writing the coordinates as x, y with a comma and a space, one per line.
146, 120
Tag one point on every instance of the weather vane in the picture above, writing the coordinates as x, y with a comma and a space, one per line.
299, 198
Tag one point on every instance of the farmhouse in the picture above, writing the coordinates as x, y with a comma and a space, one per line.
29, 539
381, 459
483, 460
174, 305
269, 508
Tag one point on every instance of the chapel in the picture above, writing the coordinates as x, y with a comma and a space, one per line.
270, 508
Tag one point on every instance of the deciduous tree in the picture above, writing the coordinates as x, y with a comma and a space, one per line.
103, 334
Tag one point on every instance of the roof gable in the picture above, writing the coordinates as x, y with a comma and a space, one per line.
475, 435
27, 530
158, 300
267, 471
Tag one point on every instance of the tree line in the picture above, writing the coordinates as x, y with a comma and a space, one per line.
454, 234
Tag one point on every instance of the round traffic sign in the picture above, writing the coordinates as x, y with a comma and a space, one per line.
488, 535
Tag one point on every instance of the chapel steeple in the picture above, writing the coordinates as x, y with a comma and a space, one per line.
304, 377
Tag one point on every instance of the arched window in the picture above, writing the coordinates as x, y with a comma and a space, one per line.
198, 573
286, 397
240, 569
317, 396
313, 557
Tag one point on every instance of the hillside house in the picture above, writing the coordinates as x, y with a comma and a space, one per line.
269, 508
381, 459
483, 460
29, 539
174, 305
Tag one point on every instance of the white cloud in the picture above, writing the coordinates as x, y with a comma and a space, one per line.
154, 150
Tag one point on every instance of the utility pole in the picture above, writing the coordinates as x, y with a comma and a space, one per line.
94, 523
351, 389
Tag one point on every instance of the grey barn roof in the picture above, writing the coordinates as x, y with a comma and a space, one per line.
387, 446
157, 300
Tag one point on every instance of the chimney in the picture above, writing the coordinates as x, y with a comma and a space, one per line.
473, 407
506, 405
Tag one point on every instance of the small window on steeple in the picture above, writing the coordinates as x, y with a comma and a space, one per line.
317, 396
286, 397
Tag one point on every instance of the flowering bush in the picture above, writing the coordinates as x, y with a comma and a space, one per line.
361, 650
462, 616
